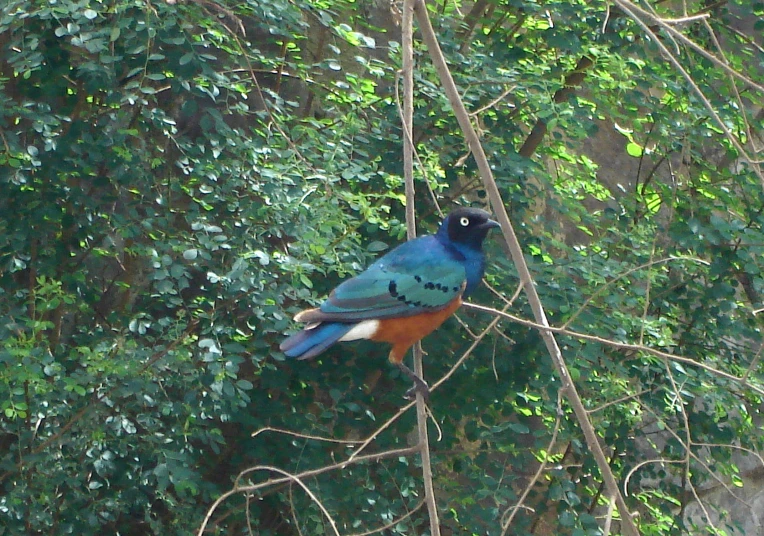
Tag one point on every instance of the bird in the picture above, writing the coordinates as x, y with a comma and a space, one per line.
402, 297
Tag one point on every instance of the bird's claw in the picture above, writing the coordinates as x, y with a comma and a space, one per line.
421, 387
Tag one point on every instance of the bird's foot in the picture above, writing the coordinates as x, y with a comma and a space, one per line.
420, 386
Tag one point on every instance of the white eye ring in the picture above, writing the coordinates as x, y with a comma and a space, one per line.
464, 221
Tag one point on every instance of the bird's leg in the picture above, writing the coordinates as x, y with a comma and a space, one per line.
420, 386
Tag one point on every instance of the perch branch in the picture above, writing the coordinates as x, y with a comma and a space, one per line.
407, 120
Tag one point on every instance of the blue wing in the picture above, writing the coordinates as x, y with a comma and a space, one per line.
418, 276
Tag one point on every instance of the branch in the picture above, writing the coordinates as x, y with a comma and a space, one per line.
407, 119
622, 345
439, 61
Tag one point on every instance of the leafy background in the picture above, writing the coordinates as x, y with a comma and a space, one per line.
178, 179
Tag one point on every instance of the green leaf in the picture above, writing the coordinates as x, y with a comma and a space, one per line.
634, 149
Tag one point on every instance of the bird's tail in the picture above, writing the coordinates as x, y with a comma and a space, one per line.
313, 340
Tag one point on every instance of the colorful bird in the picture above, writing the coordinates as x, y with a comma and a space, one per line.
403, 296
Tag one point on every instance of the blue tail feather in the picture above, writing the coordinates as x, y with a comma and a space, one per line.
311, 342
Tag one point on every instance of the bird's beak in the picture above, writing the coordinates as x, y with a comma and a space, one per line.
490, 224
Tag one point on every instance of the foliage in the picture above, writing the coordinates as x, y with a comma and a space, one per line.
178, 179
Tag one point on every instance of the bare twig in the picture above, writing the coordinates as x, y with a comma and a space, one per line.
298, 481
620, 276
378, 431
609, 516
303, 436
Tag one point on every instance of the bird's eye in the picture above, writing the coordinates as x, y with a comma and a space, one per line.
464, 221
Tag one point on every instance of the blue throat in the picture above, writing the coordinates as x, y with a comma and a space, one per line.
472, 257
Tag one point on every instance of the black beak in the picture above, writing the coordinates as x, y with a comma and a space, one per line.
490, 224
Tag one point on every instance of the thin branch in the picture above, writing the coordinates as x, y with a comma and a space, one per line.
620, 276
618, 401
642, 464
473, 140
375, 434
303, 436
609, 516
616, 344
407, 120
632, 10
298, 480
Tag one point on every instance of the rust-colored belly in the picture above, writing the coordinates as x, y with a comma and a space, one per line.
402, 333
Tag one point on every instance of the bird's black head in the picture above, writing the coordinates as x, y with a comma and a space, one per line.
467, 226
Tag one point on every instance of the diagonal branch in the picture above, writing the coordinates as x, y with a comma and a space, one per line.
439, 61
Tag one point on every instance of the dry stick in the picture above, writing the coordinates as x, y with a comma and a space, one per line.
686, 462
609, 516
366, 442
408, 134
303, 436
666, 25
622, 275
407, 120
298, 480
439, 61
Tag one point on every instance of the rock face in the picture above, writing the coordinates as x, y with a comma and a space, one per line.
739, 511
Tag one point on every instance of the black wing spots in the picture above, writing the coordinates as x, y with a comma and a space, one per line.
445, 289
411, 303
392, 288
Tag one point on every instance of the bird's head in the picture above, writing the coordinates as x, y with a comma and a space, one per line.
467, 226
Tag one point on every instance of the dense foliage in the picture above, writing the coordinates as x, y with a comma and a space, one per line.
178, 179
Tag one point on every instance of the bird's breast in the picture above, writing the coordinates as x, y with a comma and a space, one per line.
404, 331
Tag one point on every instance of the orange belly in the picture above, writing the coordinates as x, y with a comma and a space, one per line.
402, 333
